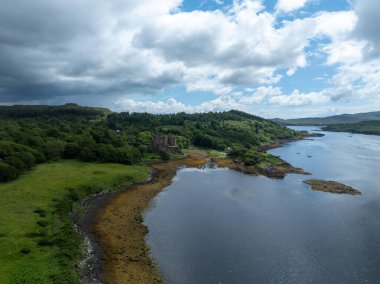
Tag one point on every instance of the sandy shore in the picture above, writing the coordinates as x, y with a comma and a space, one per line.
118, 227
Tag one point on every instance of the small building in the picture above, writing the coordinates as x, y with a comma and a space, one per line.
165, 143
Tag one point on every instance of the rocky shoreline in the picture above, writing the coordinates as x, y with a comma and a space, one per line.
279, 143
273, 171
332, 186
112, 223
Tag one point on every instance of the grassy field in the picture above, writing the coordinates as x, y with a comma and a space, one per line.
37, 241
217, 154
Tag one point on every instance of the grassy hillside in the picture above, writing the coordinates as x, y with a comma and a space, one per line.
37, 240
335, 119
53, 156
365, 127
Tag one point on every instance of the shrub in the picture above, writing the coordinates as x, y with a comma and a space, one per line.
36, 234
40, 212
7, 172
25, 250
165, 155
73, 195
44, 242
17, 163
72, 150
87, 154
27, 158
42, 223
252, 157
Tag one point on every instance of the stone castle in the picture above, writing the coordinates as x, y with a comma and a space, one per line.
165, 143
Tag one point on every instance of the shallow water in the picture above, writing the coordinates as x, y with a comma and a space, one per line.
222, 226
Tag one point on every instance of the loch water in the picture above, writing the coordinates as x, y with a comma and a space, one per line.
216, 225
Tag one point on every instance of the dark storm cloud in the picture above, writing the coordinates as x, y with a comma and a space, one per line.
55, 48
368, 26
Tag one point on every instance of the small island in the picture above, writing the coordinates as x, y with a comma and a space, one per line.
332, 186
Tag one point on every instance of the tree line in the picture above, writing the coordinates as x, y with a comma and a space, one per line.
31, 135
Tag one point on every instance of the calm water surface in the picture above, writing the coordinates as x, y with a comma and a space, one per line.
221, 226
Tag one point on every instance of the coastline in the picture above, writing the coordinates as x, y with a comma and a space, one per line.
273, 171
112, 223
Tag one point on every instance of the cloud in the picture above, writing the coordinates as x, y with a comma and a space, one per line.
299, 99
87, 48
356, 53
290, 5
171, 105
268, 95
93, 51
368, 25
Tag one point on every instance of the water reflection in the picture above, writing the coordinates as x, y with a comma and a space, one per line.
221, 226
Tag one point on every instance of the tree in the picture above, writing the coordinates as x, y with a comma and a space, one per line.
53, 149
7, 172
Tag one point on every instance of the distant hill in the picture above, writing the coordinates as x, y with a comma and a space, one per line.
38, 111
335, 119
364, 127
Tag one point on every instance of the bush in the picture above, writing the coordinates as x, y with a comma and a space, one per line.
236, 152
25, 250
87, 154
7, 172
43, 223
252, 157
27, 158
17, 163
36, 235
202, 140
40, 212
44, 242
165, 155
71, 151
73, 195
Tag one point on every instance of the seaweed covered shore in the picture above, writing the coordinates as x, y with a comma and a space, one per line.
115, 223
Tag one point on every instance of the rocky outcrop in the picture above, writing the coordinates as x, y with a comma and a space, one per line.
278, 171
332, 186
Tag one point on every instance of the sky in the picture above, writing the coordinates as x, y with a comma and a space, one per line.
272, 58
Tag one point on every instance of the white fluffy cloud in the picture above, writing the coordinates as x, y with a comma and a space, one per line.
242, 101
290, 5
173, 106
116, 48
142, 47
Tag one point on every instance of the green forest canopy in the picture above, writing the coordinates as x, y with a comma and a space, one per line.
36, 134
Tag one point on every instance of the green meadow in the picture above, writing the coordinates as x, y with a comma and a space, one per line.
37, 241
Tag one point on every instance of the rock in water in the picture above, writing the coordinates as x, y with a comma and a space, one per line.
332, 186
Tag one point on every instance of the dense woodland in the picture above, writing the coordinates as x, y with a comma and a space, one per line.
364, 127
335, 119
31, 135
